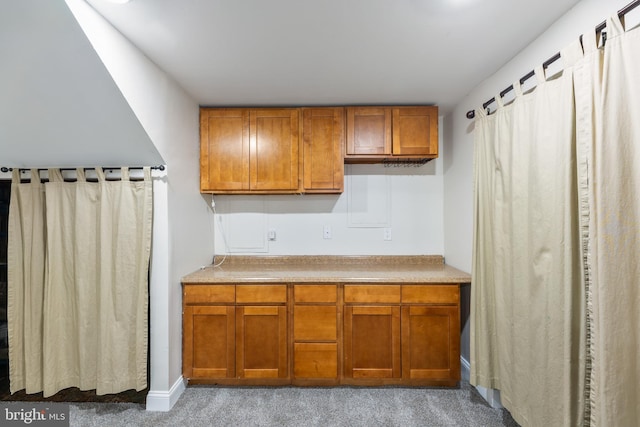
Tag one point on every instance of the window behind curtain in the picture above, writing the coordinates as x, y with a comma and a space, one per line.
5, 191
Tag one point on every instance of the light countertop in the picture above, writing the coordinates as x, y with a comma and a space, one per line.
328, 269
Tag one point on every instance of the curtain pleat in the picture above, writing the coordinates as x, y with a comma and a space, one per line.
587, 84
125, 236
93, 298
26, 256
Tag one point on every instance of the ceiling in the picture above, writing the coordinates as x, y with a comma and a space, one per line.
59, 105
331, 52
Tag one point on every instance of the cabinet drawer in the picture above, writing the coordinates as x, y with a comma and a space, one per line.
315, 293
315, 323
315, 360
261, 293
431, 294
372, 293
203, 294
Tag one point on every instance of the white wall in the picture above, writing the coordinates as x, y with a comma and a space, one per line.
58, 103
407, 201
458, 143
170, 118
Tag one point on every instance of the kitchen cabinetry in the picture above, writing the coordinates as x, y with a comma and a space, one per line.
431, 333
261, 331
208, 331
372, 332
408, 332
323, 147
302, 150
315, 334
235, 333
249, 150
375, 134
322, 333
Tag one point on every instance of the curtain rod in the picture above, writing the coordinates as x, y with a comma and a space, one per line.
6, 169
628, 8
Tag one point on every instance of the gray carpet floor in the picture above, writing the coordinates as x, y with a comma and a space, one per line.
297, 406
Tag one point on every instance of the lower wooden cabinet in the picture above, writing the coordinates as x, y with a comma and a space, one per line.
322, 334
430, 343
241, 340
261, 337
372, 342
209, 342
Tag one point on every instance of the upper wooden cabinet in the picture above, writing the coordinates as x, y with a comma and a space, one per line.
323, 142
378, 133
224, 150
249, 150
302, 150
260, 150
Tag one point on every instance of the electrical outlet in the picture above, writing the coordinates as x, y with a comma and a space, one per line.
271, 234
326, 232
387, 234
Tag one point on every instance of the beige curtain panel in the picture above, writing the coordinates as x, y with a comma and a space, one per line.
555, 322
524, 322
78, 292
614, 227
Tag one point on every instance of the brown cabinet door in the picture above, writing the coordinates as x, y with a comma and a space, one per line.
431, 342
368, 131
209, 342
224, 149
261, 338
415, 131
323, 142
372, 342
274, 147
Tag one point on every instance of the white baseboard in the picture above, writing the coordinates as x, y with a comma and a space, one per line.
465, 369
163, 401
492, 396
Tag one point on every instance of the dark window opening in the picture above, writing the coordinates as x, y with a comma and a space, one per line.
5, 192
